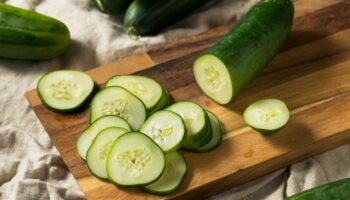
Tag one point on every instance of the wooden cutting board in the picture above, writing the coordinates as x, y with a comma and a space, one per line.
311, 74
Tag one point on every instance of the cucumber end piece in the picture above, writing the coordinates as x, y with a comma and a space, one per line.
132, 33
213, 78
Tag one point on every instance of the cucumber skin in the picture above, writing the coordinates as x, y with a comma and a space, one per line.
31, 36
114, 7
254, 41
79, 108
336, 190
149, 17
170, 191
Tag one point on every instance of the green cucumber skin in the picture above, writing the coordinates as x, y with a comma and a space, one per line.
114, 7
339, 190
84, 104
31, 36
149, 17
254, 41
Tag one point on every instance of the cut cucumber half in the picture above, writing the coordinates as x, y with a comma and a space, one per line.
135, 160
267, 115
120, 102
166, 128
172, 177
97, 154
65, 90
216, 137
88, 135
146, 89
195, 118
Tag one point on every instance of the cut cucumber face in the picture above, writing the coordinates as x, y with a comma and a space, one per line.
216, 137
120, 102
166, 128
135, 160
88, 135
146, 89
213, 78
65, 90
267, 115
172, 177
97, 154
194, 117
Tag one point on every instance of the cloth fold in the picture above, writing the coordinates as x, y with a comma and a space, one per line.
30, 166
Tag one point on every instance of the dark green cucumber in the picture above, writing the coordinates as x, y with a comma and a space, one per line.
115, 7
149, 17
29, 35
338, 190
227, 67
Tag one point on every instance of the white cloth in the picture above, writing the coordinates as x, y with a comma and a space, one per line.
30, 166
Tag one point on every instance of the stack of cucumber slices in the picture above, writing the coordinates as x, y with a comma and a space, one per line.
134, 133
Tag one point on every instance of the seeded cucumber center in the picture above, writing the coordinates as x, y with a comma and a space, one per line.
213, 78
138, 89
134, 161
116, 107
65, 89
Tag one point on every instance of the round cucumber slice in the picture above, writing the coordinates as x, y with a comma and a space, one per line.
65, 90
216, 137
267, 115
166, 128
135, 160
172, 177
195, 118
120, 102
192, 144
97, 154
146, 89
213, 78
88, 135
164, 102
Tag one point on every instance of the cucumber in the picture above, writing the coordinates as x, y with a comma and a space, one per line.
227, 67
267, 115
172, 177
29, 35
146, 89
196, 122
216, 138
192, 144
88, 135
115, 7
120, 102
65, 90
97, 154
338, 190
166, 128
149, 17
135, 160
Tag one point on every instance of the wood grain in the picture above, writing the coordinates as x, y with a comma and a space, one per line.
311, 74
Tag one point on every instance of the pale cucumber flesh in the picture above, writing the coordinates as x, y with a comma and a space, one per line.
97, 154
88, 135
120, 102
172, 177
65, 90
135, 160
166, 128
267, 115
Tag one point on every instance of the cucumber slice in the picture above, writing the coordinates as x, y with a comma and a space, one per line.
172, 177
216, 137
120, 102
65, 90
195, 118
235, 60
135, 160
267, 115
164, 102
166, 128
88, 135
97, 154
146, 89
192, 144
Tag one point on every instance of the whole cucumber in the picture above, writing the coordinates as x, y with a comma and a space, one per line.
145, 17
235, 60
115, 7
28, 35
338, 190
